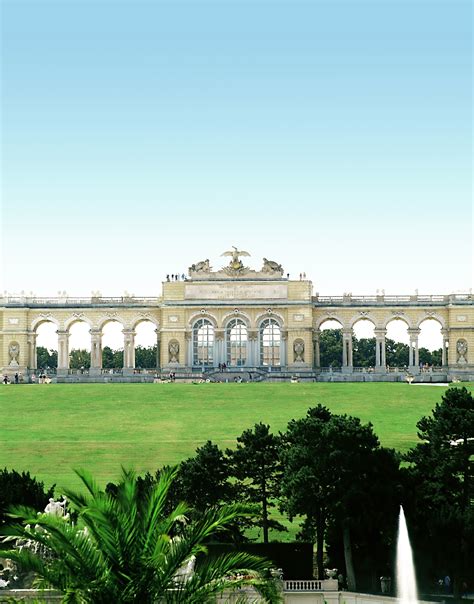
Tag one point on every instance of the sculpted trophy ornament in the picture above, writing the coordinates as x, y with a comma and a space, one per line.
461, 349
173, 351
298, 350
14, 353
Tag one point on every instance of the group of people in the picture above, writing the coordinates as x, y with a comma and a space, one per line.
17, 378
42, 378
222, 366
177, 277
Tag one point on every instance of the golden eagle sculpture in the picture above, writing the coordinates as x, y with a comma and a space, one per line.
235, 264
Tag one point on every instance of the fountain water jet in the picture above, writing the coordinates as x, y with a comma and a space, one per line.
406, 581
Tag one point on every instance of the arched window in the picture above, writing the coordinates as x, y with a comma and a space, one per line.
203, 343
236, 337
270, 340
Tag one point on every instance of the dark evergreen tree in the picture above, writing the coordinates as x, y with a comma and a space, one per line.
257, 467
440, 488
304, 478
333, 466
203, 481
21, 489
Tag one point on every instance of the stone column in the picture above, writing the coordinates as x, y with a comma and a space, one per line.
63, 352
380, 358
347, 350
252, 348
444, 349
284, 348
414, 359
96, 352
316, 349
32, 357
158, 348
219, 347
128, 351
188, 337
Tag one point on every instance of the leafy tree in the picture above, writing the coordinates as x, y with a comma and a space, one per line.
440, 486
21, 489
330, 346
433, 357
145, 357
125, 549
363, 352
79, 358
112, 359
396, 353
256, 465
46, 358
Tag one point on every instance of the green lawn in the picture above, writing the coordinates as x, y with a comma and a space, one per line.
49, 429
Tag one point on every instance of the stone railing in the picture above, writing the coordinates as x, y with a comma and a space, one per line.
310, 585
61, 301
386, 300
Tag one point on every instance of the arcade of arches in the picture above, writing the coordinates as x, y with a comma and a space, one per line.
257, 320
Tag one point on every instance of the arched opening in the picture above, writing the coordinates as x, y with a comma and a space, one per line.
430, 343
112, 346
330, 343
363, 343
236, 340
397, 344
270, 343
47, 347
203, 343
145, 345
79, 347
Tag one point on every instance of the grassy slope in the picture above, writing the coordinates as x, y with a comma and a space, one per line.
51, 429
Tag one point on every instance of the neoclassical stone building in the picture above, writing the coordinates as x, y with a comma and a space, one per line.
251, 320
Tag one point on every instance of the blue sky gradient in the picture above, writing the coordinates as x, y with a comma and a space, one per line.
332, 136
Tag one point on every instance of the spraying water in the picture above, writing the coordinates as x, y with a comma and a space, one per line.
406, 582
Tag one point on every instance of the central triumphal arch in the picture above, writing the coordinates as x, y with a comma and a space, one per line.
258, 323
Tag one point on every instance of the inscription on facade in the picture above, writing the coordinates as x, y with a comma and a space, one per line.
238, 291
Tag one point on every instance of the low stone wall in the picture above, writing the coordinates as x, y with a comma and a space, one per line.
322, 597
29, 595
339, 597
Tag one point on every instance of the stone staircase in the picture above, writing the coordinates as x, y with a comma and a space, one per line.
236, 374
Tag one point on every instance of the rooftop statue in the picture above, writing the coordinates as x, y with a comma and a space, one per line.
235, 264
200, 267
269, 266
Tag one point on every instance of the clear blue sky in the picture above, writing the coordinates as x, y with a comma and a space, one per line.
333, 136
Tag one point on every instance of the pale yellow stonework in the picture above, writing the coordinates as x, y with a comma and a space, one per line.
220, 298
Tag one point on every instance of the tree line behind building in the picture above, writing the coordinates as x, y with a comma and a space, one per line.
330, 353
